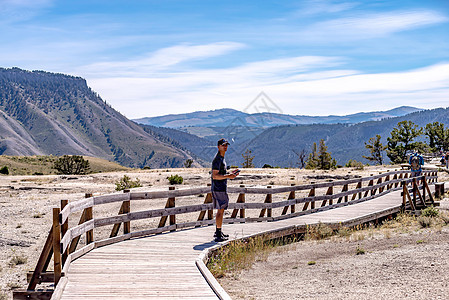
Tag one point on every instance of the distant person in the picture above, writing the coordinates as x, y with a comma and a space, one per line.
219, 188
416, 161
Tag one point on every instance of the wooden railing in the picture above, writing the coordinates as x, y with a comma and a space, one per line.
64, 244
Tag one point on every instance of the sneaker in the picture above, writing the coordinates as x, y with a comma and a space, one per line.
222, 234
221, 239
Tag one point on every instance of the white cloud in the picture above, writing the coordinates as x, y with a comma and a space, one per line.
160, 60
371, 25
299, 85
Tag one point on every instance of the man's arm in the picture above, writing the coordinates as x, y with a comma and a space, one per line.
217, 176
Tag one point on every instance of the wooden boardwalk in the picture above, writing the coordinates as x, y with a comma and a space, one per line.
163, 266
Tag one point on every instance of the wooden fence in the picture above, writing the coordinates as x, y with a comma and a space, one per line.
63, 243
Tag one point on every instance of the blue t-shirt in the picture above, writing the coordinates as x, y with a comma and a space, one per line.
219, 164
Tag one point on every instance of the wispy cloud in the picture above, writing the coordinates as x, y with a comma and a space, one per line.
371, 25
316, 7
160, 60
19, 10
307, 84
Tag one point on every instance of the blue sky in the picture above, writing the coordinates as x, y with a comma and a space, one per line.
149, 58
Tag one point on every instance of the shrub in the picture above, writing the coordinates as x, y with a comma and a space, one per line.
267, 166
354, 164
126, 183
4, 170
430, 212
188, 163
359, 251
318, 232
425, 221
17, 260
311, 263
175, 179
72, 165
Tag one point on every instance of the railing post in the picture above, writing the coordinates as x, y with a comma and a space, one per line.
210, 212
64, 228
312, 194
171, 203
268, 199
330, 191
56, 245
89, 216
290, 197
404, 195
439, 189
126, 209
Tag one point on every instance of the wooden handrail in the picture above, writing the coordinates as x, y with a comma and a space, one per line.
64, 240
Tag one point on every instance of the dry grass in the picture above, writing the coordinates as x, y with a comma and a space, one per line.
239, 255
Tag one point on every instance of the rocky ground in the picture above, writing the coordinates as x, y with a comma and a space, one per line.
26, 203
411, 265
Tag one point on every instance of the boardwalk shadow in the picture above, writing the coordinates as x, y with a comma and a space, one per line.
203, 246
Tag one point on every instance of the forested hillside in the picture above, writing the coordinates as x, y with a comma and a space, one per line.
46, 113
279, 146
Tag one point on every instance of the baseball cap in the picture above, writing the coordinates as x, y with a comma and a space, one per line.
222, 142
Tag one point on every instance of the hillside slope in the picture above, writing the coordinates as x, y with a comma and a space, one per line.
278, 146
45, 113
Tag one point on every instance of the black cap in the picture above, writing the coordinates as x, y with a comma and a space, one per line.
222, 142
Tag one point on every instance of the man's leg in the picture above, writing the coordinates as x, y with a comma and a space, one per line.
219, 235
219, 218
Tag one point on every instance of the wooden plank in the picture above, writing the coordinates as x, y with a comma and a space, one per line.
268, 199
32, 295
311, 195
43, 277
207, 200
74, 242
42, 264
170, 204
116, 226
111, 198
329, 192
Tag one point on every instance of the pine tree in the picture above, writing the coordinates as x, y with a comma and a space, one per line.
438, 136
320, 159
376, 148
401, 141
248, 159
312, 161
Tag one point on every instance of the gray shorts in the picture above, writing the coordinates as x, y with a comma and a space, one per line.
220, 199
416, 173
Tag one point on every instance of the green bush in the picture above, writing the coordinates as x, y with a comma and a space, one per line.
430, 212
126, 183
4, 170
175, 179
267, 166
354, 164
72, 165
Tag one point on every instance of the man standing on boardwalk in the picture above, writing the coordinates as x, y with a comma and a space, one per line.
219, 187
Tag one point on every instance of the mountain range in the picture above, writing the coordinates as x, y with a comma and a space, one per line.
45, 113
230, 117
